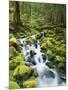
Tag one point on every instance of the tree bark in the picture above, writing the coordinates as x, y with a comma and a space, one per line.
17, 20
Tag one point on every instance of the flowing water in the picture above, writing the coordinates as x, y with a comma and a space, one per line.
46, 75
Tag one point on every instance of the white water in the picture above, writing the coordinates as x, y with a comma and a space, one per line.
44, 78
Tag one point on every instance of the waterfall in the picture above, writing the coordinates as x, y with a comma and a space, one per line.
46, 75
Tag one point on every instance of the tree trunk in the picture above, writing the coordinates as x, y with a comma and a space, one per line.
17, 20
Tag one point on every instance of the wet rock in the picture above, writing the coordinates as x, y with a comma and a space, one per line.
32, 53
50, 74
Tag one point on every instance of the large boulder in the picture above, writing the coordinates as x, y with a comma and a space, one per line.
30, 40
14, 63
13, 85
30, 83
19, 60
50, 64
12, 52
22, 72
32, 53
13, 42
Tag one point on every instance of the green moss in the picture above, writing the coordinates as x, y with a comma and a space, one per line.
13, 85
11, 36
20, 57
30, 40
30, 83
32, 53
46, 43
13, 41
49, 53
14, 63
38, 36
50, 64
11, 77
35, 74
61, 65
12, 53
22, 72
59, 58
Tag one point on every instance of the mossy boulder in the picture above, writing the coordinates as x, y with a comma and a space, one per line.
49, 53
50, 64
12, 52
14, 63
32, 53
60, 50
13, 42
11, 35
13, 85
18, 60
59, 58
61, 65
31, 83
60, 62
35, 74
23, 72
46, 43
11, 77
30, 40
20, 57
38, 36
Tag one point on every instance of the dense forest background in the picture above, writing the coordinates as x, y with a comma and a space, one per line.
30, 18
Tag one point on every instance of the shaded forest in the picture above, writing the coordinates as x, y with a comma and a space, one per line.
30, 18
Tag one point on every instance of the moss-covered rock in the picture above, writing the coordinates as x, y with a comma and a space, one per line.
30, 83
11, 77
50, 64
12, 53
32, 53
30, 40
13, 42
14, 63
35, 74
20, 57
58, 58
46, 43
23, 72
49, 53
38, 36
13, 85
18, 60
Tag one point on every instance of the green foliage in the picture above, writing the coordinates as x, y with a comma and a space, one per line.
13, 85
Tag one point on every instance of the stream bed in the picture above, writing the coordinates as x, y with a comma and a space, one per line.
46, 76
